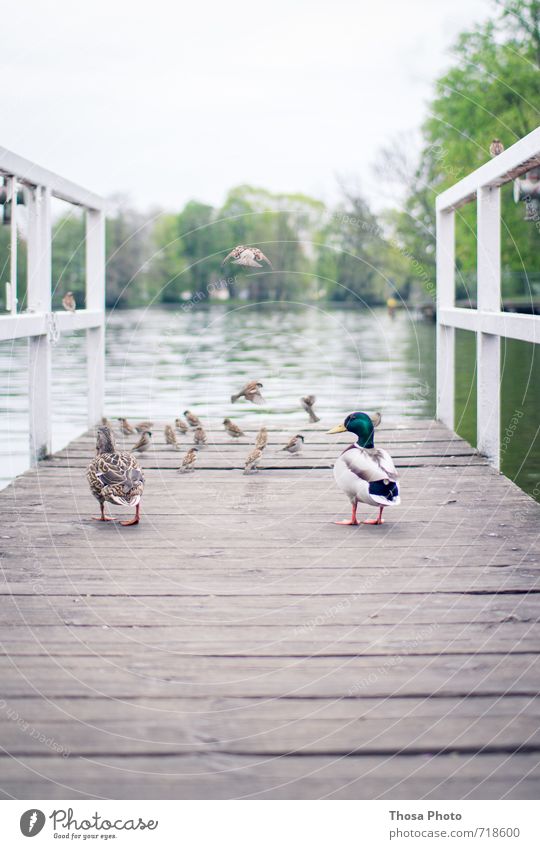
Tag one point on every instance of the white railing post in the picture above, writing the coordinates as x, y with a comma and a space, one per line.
39, 301
95, 300
445, 334
12, 303
488, 346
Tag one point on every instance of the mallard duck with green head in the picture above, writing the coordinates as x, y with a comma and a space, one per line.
365, 474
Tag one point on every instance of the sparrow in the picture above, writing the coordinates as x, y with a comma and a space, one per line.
308, 402
199, 436
262, 439
496, 147
144, 442
188, 461
68, 302
126, 428
251, 460
170, 437
181, 425
294, 445
250, 392
142, 426
192, 419
232, 428
246, 256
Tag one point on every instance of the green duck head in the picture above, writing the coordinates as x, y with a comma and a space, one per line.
362, 425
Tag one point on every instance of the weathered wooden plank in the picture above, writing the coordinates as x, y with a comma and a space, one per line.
156, 673
318, 638
219, 776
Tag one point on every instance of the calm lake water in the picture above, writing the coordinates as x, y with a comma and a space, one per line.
159, 362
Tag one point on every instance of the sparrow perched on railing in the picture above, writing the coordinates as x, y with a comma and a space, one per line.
246, 256
294, 445
250, 392
192, 419
170, 437
144, 442
199, 436
308, 402
126, 428
181, 426
68, 302
496, 147
262, 439
188, 461
232, 428
252, 460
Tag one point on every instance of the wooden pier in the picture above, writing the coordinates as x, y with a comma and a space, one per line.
238, 644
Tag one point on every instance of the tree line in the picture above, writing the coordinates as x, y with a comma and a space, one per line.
346, 253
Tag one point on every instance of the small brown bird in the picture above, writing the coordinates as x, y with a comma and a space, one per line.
144, 443
170, 437
188, 461
250, 392
496, 147
192, 419
181, 426
252, 460
68, 302
106, 423
262, 439
199, 436
126, 428
246, 256
232, 428
142, 426
308, 402
294, 445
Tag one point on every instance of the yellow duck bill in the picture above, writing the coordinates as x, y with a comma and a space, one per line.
337, 429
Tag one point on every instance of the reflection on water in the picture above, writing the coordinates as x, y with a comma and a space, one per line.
159, 362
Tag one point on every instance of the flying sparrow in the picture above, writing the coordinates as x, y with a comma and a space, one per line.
308, 402
199, 436
126, 428
170, 437
232, 428
246, 256
262, 439
192, 419
188, 460
68, 302
181, 426
144, 442
496, 147
294, 445
252, 460
250, 392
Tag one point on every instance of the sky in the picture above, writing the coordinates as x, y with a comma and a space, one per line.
169, 101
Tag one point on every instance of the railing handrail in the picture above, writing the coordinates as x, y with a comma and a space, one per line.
30, 174
39, 323
488, 321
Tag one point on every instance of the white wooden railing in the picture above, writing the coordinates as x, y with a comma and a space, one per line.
38, 322
487, 321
